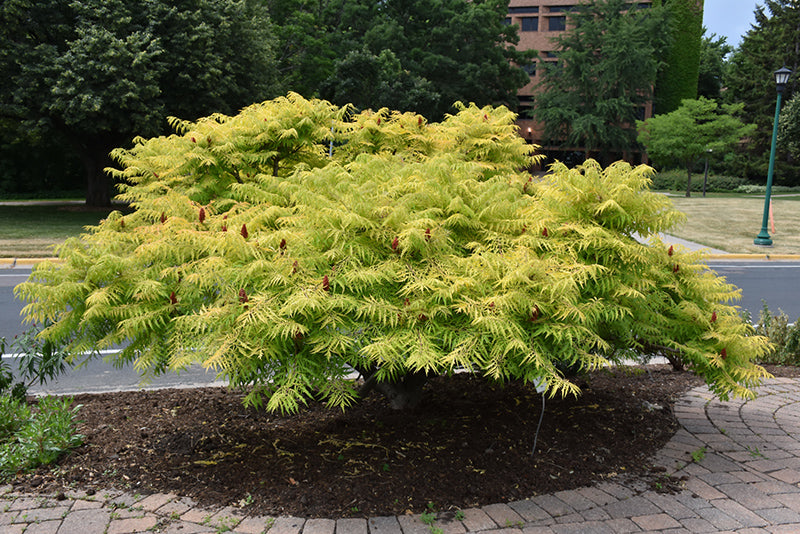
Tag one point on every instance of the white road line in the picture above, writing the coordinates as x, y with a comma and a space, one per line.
101, 353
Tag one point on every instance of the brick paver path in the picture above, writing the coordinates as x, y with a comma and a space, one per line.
740, 461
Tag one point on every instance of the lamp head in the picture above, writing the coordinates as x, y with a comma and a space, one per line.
782, 77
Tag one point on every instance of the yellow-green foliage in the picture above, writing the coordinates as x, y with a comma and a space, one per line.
288, 242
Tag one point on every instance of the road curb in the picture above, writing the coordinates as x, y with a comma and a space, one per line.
753, 257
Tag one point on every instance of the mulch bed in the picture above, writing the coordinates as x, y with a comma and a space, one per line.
469, 444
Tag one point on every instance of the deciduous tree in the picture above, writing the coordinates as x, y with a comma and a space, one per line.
691, 132
284, 255
100, 72
607, 68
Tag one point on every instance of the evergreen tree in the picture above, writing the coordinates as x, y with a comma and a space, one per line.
713, 51
284, 253
789, 128
772, 42
604, 78
100, 71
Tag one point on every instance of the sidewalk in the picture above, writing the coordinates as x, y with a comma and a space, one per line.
738, 463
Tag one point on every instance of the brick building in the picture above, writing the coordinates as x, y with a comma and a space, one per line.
538, 22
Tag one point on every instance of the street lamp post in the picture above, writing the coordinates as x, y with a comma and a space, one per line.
781, 77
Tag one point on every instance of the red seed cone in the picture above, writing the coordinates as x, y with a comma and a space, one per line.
244, 231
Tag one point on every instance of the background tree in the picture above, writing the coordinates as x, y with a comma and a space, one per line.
713, 52
687, 134
607, 67
773, 41
443, 51
789, 128
98, 72
412, 250
678, 76
369, 81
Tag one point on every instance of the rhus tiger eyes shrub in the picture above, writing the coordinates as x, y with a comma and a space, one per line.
386, 244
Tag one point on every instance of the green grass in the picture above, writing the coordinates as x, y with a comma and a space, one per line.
32, 230
731, 222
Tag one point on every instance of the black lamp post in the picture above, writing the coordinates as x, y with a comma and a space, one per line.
781, 77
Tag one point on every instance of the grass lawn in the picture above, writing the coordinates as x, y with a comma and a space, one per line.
31, 231
731, 223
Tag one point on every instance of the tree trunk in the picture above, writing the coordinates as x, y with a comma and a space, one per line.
94, 150
689, 180
402, 394
98, 192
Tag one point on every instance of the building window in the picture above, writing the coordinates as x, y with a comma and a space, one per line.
530, 9
557, 24
559, 9
507, 21
530, 24
530, 69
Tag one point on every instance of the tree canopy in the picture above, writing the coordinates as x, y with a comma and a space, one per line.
772, 42
417, 55
789, 127
604, 78
713, 53
698, 128
100, 72
284, 253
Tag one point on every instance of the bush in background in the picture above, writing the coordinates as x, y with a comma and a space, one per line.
784, 336
752, 189
675, 180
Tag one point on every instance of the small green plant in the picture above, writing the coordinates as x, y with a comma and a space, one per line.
699, 454
385, 467
225, 524
35, 437
785, 337
38, 362
754, 452
428, 517
723, 431
459, 515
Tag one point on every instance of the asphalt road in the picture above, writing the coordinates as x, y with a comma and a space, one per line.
776, 282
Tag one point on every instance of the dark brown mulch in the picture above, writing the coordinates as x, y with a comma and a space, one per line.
469, 444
